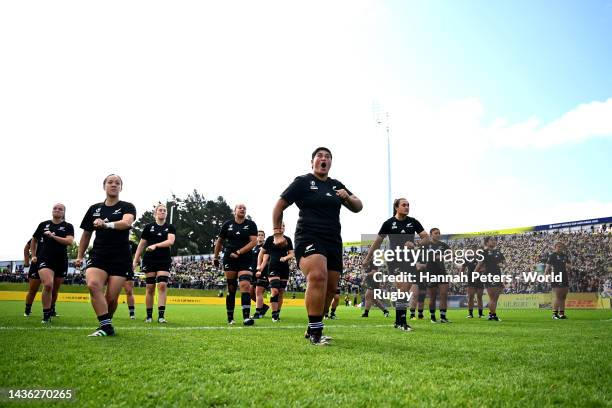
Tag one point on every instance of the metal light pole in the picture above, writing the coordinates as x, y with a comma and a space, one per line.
382, 119
173, 201
389, 201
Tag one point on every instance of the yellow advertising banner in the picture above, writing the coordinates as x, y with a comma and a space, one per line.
522, 301
139, 299
544, 301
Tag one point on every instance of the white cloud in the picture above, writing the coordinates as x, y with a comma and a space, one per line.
586, 121
231, 99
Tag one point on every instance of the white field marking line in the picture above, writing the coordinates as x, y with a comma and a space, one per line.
187, 328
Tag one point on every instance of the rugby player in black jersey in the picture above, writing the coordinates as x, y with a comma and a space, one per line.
260, 279
156, 240
491, 265
33, 279
318, 242
53, 237
370, 284
558, 264
437, 273
237, 238
475, 287
128, 285
277, 259
401, 230
111, 258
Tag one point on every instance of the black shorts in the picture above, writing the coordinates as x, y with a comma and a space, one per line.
122, 267
371, 283
263, 282
33, 272
243, 263
404, 267
421, 281
437, 273
564, 281
155, 266
304, 247
282, 273
474, 283
399, 267
439, 281
494, 285
58, 266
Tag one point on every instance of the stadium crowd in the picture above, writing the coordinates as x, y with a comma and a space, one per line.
589, 252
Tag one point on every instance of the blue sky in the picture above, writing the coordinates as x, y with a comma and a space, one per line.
522, 58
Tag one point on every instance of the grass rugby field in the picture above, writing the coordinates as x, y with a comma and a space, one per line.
197, 360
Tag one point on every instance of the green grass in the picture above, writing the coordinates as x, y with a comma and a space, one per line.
196, 360
23, 287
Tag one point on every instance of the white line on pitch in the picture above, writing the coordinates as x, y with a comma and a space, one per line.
188, 328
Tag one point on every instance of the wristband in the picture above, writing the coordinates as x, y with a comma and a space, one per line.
109, 225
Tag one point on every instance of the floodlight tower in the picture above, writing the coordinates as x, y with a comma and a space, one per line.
382, 120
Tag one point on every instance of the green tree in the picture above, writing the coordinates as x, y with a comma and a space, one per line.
73, 250
196, 219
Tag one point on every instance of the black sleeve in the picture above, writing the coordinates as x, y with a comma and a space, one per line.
128, 208
146, 232
549, 260
289, 244
384, 229
69, 229
418, 227
87, 223
253, 229
223, 232
171, 229
342, 186
293, 192
268, 244
39, 230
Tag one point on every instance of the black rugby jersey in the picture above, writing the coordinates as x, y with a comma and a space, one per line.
276, 253
319, 207
49, 248
435, 259
236, 236
400, 231
492, 259
109, 242
154, 233
558, 261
